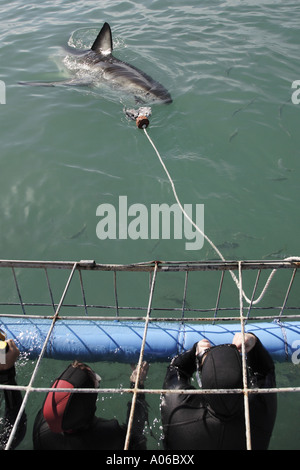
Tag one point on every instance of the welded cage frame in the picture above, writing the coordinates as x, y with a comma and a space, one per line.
243, 311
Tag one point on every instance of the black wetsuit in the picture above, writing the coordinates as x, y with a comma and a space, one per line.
102, 434
13, 401
190, 422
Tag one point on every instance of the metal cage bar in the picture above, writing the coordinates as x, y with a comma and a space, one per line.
153, 268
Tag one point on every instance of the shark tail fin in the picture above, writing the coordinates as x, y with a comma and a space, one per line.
103, 42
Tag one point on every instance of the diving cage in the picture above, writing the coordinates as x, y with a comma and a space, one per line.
147, 311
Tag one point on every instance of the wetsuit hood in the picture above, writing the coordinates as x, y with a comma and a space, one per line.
67, 411
222, 369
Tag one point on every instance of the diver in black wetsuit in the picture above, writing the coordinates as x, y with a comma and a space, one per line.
13, 399
67, 421
217, 421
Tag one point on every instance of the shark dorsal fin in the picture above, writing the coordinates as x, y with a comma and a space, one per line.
103, 43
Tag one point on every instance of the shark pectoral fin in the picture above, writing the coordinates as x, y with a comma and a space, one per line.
37, 83
77, 82
103, 43
72, 82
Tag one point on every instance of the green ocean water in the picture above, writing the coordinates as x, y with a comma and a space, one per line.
230, 141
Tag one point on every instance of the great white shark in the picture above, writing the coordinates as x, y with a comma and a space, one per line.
97, 65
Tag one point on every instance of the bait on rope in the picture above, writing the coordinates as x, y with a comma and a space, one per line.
140, 116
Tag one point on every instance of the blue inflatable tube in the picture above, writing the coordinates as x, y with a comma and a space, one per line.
120, 341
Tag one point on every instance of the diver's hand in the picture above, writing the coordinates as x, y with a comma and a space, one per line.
202, 345
143, 372
250, 341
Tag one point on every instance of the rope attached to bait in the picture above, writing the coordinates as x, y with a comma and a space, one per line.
142, 122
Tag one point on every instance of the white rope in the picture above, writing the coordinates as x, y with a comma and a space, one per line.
136, 386
253, 302
244, 364
34, 373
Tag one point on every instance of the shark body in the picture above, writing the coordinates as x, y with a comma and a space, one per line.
98, 65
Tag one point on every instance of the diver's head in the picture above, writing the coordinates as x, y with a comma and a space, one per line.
71, 411
222, 369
